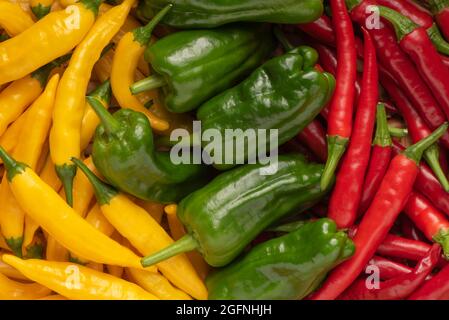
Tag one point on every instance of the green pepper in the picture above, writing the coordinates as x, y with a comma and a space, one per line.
213, 13
193, 66
124, 153
224, 216
288, 267
286, 93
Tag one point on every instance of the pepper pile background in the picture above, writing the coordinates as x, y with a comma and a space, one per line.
91, 206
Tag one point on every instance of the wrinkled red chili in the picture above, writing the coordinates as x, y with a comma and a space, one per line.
314, 137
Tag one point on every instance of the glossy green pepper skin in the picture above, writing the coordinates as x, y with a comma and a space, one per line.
124, 153
288, 267
286, 93
224, 216
190, 14
198, 64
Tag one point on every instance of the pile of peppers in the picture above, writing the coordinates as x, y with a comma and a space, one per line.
352, 178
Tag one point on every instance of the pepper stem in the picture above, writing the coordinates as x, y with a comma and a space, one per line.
382, 137
436, 6
432, 156
336, 147
102, 92
109, 123
415, 151
66, 174
185, 244
351, 4
103, 192
280, 35
15, 244
437, 39
40, 11
149, 83
397, 132
143, 34
12, 166
442, 238
402, 24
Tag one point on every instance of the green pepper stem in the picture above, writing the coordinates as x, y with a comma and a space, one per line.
12, 166
34, 251
143, 34
397, 132
102, 92
185, 244
280, 35
442, 238
40, 11
149, 83
436, 6
43, 72
437, 39
432, 156
110, 124
15, 244
103, 192
351, 4
382, 137
402, 24
415, 151
92, 5
336, 147
66, 174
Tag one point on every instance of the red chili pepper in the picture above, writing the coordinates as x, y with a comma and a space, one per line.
396, 288
314, 137
320, 29
409, 230
429, 220
388, 269
390, 199
347, 192
417, 44
416, 126
402, 69
339, 123
379, 161
440, 9
436, 288
403, 248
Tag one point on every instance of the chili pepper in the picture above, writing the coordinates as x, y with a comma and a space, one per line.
77, 282
41, 8
388, 269
393, 192
127, 54
155, 209
14, 290
222, 57
403, 248
347, 192
53, 297
156, 284
440, 10
435, 288
216, 216
379, 160
13, 19
403, 70
310, 252
286, 93
409, 230
339, 122
398, 132
314, 137
321, 29
204, 14
51, 37
28, 150
65, 134
96, 218
90, 119
146, 173
10, 272
144, 233
399, 287
56, 217
417, 127
428, 219
10, 138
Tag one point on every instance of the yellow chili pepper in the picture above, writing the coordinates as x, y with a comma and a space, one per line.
156, 210
41, 8
95, 266
27, 150
13, 19
116, 271
177, 231
77, 282
65, 136
55, 251
3, 244
10, 272
53, 297
156, 284
60, 220
11, 136
49, 176
35, 248
90, 119
145, 234
96, 218
82, 190
13, 290
51, 37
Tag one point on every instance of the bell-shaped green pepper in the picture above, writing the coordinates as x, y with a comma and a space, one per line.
288, 267
224, 216
212, 13
286, 93
193, 66
124, 153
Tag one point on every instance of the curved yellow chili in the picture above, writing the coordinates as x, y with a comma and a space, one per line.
115, 271
10, 272
49, 38
96, 218
65, 136
155, 209
83, 192
10, 138
77, 282
13, 19
41, 8
55, 251
24, 4
27, 150
13, 290
60, 221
